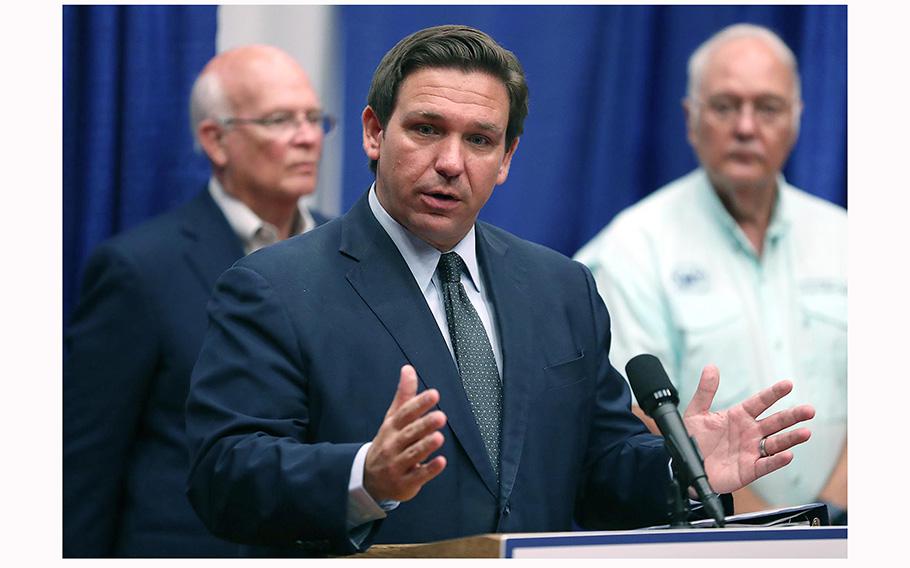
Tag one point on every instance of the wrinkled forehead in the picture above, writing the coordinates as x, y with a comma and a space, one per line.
456, 82
747, 67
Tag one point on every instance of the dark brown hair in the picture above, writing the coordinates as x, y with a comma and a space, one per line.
457, 47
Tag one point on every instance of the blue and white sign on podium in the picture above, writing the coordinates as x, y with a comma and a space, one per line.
729, 542
745, 542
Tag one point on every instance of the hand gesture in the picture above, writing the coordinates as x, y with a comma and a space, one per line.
731, 440
394, 468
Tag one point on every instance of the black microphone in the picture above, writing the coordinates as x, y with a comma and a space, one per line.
658, 398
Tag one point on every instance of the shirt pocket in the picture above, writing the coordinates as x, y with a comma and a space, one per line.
823, 351
712, 329
825, 309
706, 314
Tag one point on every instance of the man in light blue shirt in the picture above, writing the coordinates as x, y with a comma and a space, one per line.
733, 266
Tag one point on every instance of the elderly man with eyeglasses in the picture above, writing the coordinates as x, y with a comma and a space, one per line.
732, 265
141, 318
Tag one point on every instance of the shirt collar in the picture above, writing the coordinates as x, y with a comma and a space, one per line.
420, 256
778, 226
253, 232
780, 215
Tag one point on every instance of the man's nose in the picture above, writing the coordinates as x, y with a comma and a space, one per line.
450, 157
745, 121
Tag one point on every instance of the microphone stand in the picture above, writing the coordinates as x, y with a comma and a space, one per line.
678, 499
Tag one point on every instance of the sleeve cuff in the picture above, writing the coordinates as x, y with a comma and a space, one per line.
362, 508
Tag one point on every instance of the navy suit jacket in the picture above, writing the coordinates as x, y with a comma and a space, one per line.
302, 360
131, 346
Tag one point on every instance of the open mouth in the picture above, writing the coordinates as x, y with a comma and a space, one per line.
439, 200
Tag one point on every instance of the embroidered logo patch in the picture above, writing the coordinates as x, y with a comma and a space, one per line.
690, 279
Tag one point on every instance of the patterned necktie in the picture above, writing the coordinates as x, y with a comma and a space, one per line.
473, 354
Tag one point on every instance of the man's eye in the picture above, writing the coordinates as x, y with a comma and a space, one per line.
722, 107
478, 140
276, 120
769, 108
425, 129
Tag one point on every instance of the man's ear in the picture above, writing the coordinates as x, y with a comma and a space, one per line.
689, 114
211, 136
506, 163
372, 133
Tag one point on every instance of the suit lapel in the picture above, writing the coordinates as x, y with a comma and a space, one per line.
507, 282
211, 245
384, 282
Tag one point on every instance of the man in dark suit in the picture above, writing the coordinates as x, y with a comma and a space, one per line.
140, 321
505, 413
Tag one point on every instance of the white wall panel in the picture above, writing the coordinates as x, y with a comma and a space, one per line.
309, 34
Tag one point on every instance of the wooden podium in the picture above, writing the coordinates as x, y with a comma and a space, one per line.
738, 542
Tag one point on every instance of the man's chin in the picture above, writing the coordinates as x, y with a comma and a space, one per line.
438, 231
298, 191
745, 180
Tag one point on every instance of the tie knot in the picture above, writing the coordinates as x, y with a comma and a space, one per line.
450, 267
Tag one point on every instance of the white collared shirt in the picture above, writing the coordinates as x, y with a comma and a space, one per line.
252, 231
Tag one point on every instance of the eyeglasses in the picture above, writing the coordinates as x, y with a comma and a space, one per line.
726, 110
286, 123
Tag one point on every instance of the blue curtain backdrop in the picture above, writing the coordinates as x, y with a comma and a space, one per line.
127, 148
606, 125
605, 128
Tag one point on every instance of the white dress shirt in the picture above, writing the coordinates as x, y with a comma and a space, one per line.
253, 232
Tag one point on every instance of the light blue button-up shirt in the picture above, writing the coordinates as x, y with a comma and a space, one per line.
683, 282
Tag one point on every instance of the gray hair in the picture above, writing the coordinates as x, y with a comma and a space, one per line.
207, 100
699, 57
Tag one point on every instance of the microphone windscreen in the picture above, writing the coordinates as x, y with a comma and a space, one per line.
650, 382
